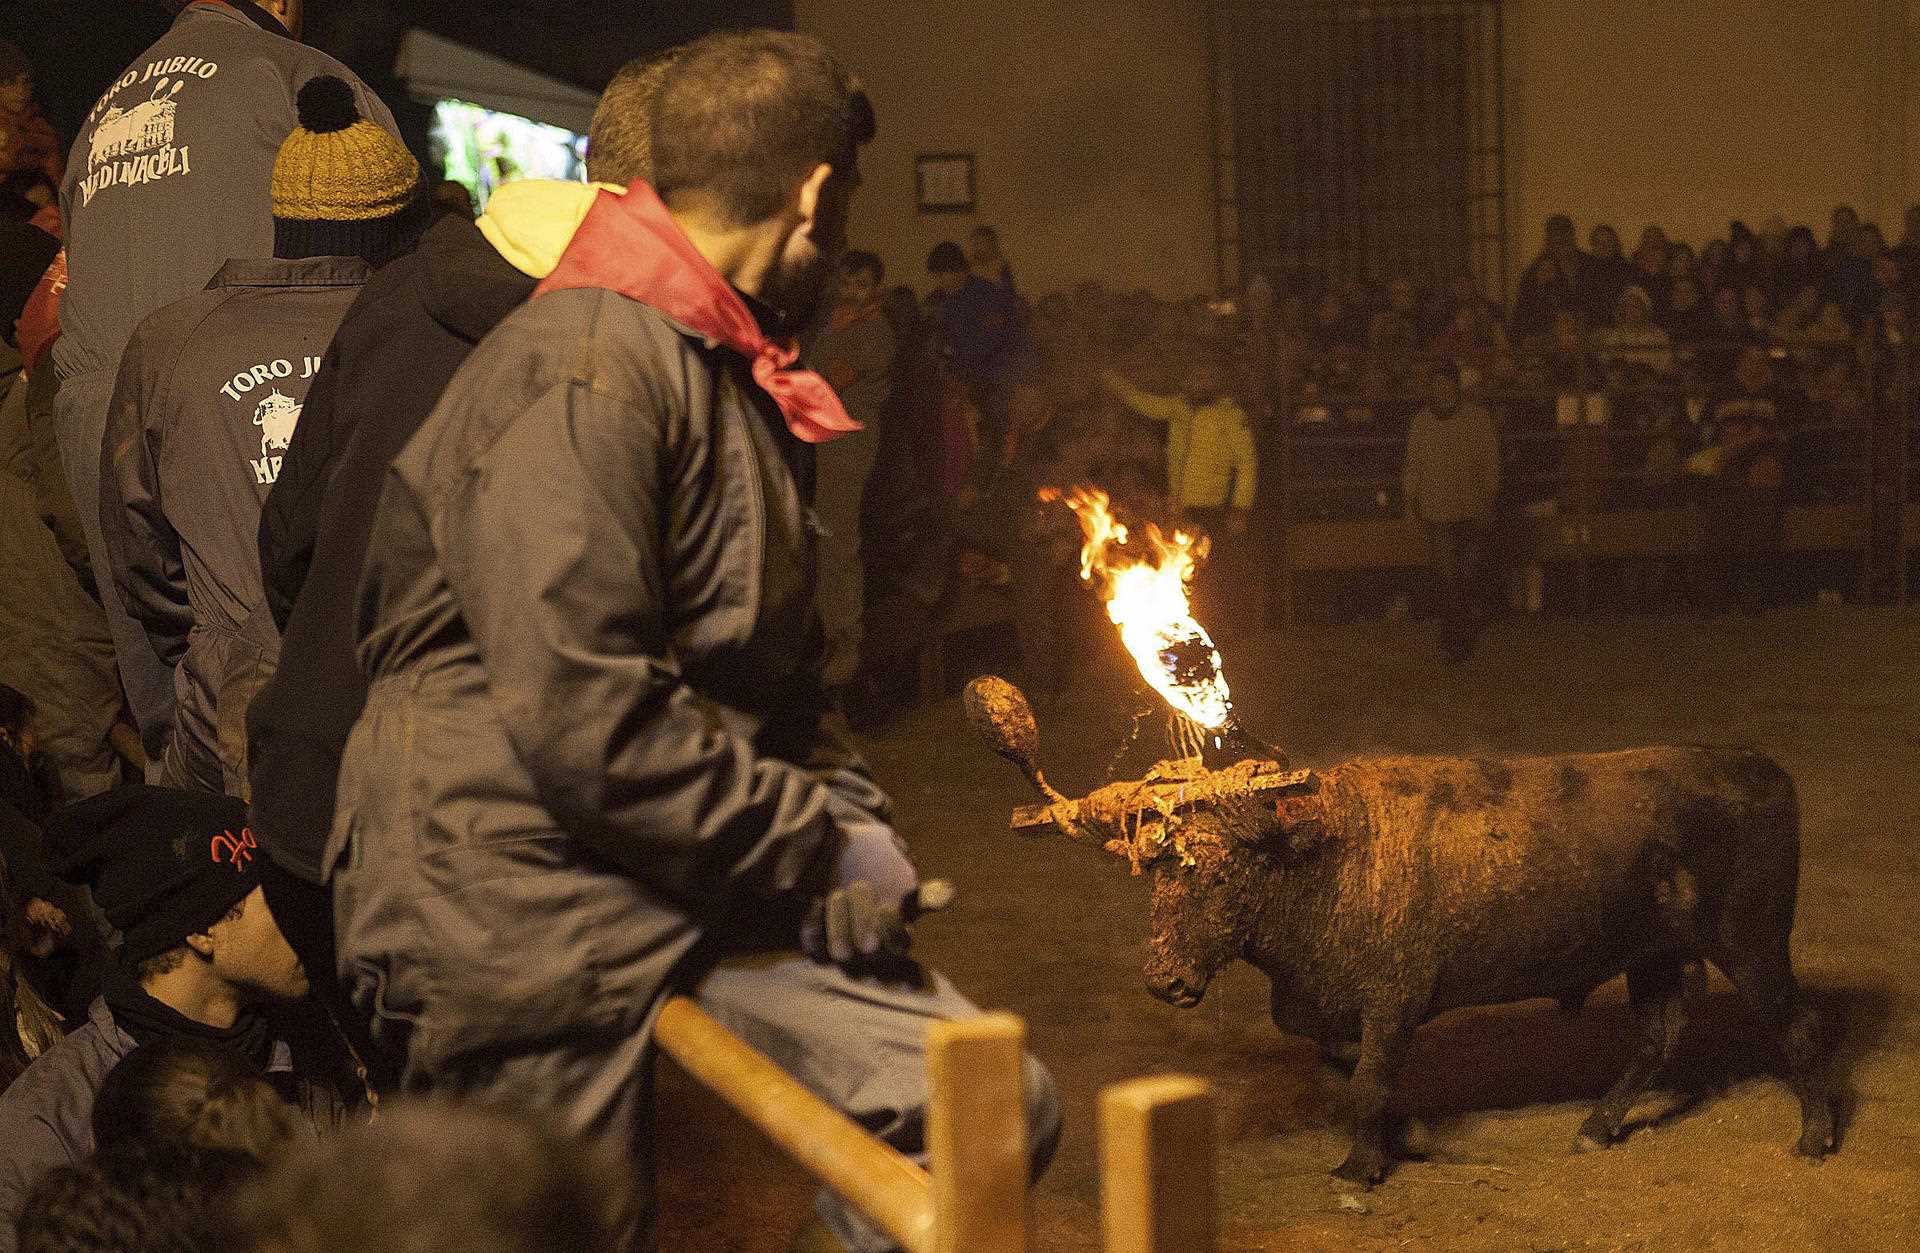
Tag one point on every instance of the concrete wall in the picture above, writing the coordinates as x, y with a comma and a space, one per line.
1088, 119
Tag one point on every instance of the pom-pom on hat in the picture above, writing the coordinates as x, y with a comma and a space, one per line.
163, 864
342, 186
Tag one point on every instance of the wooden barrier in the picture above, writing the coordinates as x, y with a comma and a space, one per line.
974, 1198
1157, 1166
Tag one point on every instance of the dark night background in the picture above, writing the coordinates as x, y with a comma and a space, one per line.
79, 47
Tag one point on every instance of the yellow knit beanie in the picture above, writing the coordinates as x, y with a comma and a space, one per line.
342, 185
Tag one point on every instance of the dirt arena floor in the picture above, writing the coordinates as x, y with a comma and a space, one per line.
1054, 932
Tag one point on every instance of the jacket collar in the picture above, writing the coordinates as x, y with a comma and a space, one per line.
280, 272
630, 244
236, 11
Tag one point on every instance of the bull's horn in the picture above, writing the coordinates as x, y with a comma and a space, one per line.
1001, 715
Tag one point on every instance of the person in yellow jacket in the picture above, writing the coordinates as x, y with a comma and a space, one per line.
1212, 469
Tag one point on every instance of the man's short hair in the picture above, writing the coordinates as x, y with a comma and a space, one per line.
620, 137
947, 258
743, 117
173, 958
859, 262
983, 231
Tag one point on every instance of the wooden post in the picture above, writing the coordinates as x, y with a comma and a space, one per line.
881, 1183
1157, 1166
977, 1134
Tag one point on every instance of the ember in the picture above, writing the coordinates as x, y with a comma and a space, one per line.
1146, 597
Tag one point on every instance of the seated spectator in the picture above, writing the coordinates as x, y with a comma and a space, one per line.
1338, 322
1799, 266
1395, 330
1743, 267
1829, 334
1715, 257
1634, 340
197, 1094
1552, 282
1799, 312
200, 958
1757, 307
1651, 258
1606, 274
440, 1177
1683, 263
168, 1200
1849, 277
1690, 323
1473, 337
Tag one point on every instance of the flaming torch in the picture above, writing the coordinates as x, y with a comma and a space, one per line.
1144, 584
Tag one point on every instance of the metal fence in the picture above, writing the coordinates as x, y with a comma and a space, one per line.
1598, 465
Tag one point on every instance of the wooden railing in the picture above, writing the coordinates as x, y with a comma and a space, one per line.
1156, 1141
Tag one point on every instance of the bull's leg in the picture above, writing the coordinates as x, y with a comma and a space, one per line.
1768, 986
1656, 989
1383, 1044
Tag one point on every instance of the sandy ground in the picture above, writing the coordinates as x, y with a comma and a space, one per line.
1054, 932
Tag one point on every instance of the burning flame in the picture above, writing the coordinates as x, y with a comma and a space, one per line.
1146, 597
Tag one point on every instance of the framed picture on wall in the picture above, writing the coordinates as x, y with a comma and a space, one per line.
944, 183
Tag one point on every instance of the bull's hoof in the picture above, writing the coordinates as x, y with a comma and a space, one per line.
1365, 1167
1594, 1135
1816, 1140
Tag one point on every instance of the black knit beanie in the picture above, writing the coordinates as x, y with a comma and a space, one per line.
163, 864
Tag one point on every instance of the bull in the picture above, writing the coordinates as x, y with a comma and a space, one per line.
1382, 892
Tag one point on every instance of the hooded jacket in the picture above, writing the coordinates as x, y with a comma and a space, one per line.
413, 324
593, 735
209, 395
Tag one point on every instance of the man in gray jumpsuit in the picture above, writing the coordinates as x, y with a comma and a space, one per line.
209, 394
592, 769
168, 179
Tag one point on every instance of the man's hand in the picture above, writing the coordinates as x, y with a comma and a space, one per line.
852, 928
47, 926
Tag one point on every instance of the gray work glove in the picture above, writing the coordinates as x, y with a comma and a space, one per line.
853, 928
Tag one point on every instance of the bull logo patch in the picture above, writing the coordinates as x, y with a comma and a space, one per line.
276, 416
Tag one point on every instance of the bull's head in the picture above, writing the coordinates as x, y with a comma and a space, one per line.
1205, 914
1215, 870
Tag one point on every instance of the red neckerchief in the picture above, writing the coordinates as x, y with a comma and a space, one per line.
630, 244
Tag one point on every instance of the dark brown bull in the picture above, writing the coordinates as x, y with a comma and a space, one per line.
1386, 891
